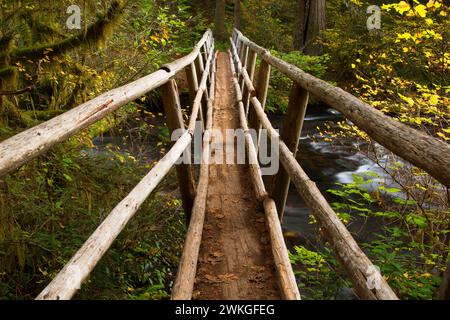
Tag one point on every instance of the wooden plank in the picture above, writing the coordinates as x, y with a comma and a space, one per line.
420, 149
358, 266
174, 117
70, 278
290, 134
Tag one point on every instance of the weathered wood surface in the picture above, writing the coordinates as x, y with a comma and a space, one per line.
184, 282
420, 149
290, 134
283, 265
251, 72
262, 86
358, 266
191, 76
287, 282
174, 119
70, 278
202, 90
235, 260
27, 145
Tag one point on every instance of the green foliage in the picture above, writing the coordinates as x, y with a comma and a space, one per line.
318, 274
269, 23
402, 69
69, 194
280, 85
411, 247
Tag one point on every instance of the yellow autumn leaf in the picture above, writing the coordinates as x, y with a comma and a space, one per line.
434, 99
409, 100
402, 7
443, 136
421, 10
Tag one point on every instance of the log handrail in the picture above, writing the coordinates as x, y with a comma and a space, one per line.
23, 147
184, 282
418, 148
354, 260
70, 278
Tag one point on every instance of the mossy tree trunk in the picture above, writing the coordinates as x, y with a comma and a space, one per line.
219, 20
310, 23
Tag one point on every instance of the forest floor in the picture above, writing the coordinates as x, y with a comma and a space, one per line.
235, 260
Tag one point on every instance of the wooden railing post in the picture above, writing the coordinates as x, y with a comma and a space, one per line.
251, 64
174, 119
200, 66
262, 86
244, 66
291, 131
191, 75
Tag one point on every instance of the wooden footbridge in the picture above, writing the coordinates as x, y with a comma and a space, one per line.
234, 246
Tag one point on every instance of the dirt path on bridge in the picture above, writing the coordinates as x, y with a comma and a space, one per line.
235, 260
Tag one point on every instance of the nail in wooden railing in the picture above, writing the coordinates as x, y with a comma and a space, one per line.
187, 269
287, 283
290, 134
21, 148
359, 268
420, 149
174, 119
70, 278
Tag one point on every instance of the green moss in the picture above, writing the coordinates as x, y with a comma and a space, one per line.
95, 34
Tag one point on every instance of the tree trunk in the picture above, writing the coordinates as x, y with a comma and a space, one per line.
299, 27
444, 290
310, 23
219, 29
237, 14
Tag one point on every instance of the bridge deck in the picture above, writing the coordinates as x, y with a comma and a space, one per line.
235, 260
